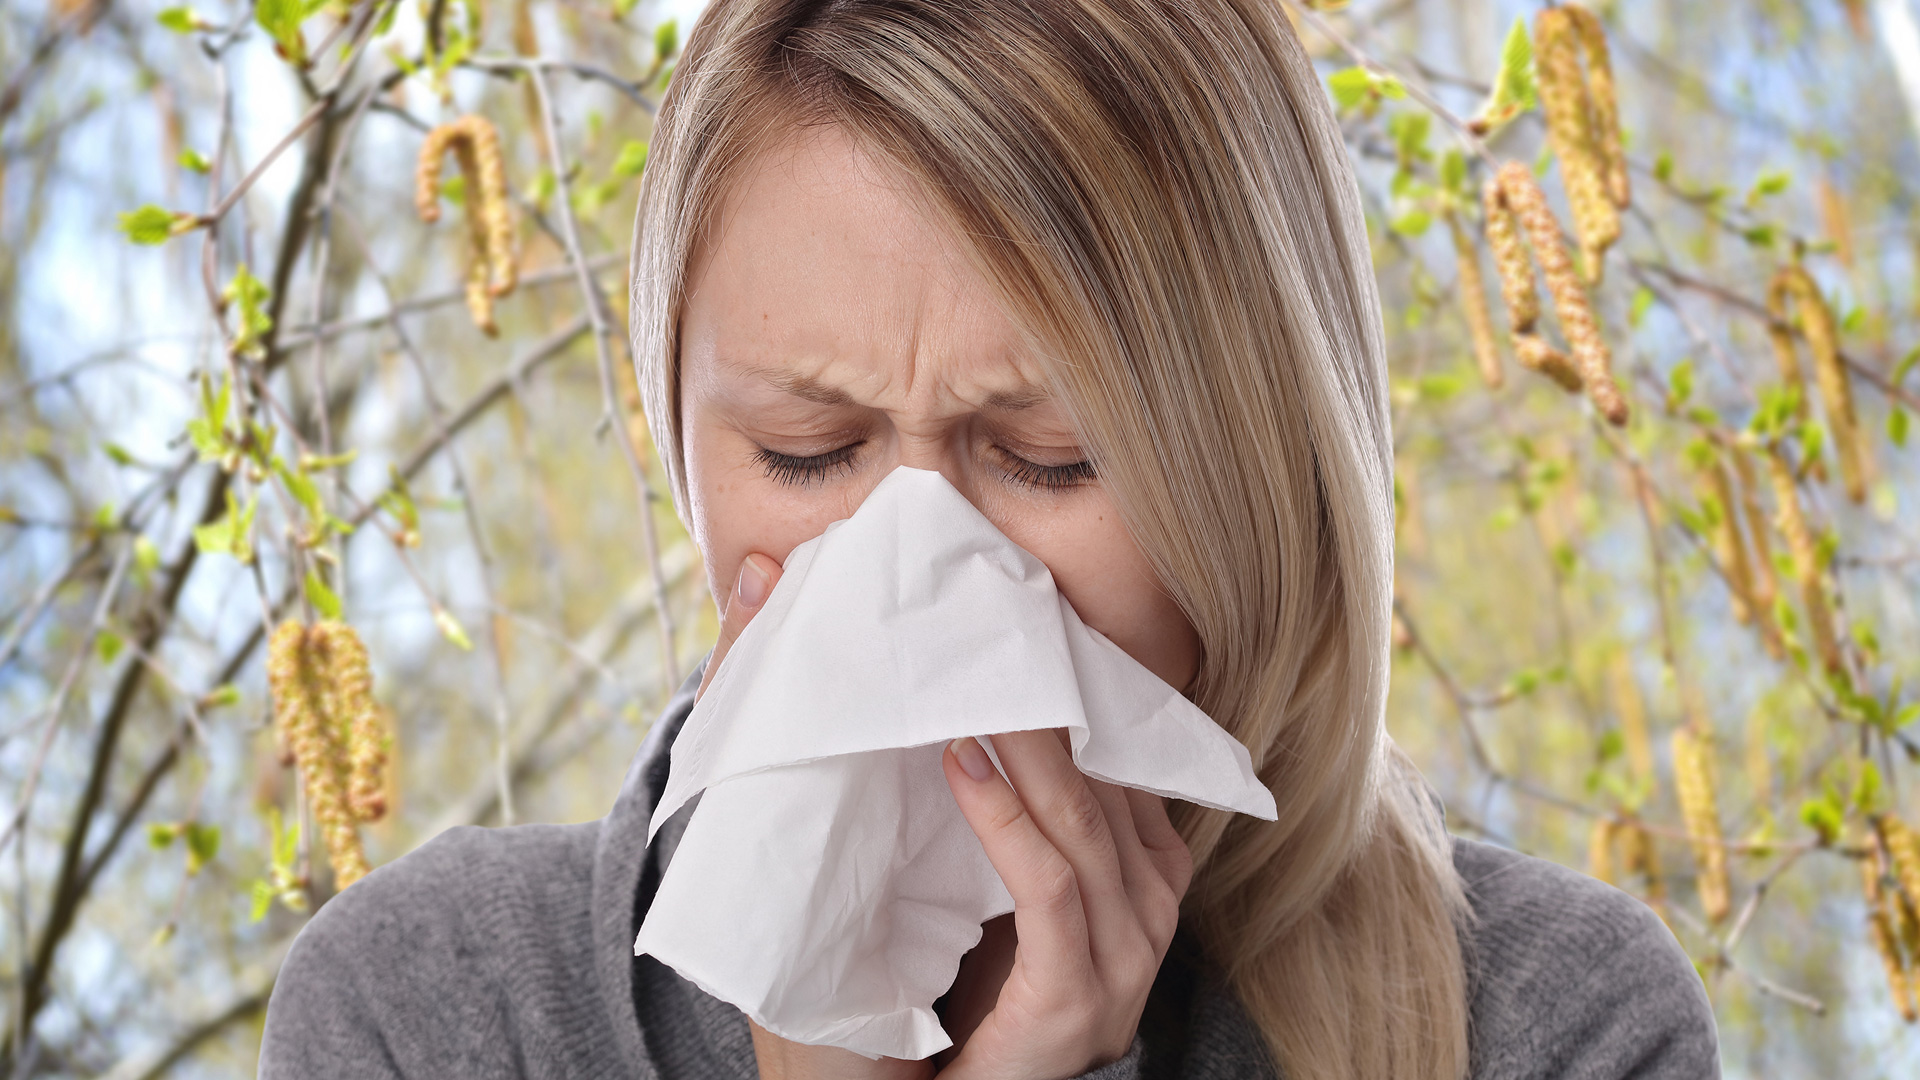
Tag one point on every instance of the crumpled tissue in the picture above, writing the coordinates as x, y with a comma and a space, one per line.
827, 884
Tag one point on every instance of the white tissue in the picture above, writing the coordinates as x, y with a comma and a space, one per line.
827, 884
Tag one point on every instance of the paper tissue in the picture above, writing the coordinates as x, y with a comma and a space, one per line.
827, 884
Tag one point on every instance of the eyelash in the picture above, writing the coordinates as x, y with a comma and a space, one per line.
801, 471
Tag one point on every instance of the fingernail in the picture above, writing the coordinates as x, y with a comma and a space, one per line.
971, 757
752, 586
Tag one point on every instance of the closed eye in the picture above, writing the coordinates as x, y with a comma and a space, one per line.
801, 471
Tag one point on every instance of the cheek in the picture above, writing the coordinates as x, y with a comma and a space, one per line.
736, 512
1112, 586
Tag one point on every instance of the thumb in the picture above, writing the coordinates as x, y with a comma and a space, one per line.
755, 581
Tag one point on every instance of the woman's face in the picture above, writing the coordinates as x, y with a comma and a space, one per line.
831, 333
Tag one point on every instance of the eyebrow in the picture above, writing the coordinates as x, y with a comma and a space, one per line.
808, 388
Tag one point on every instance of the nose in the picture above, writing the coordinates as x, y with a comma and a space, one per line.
936, 447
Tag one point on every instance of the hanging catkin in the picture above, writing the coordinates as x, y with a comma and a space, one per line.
1565, 99
1729, 550
1693, 779
1600, 850
1765, 584
1829, 370
1509, 259
475, 144
1880, 927
303, 673
1473, 304
1605, 103
357, 719
1633, 721
1590, 354
1805, 554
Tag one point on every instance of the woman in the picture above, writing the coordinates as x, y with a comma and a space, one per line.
1102, 264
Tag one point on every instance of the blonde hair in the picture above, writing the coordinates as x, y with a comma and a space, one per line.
1159, 193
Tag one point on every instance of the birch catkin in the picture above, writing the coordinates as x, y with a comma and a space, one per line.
1829, 370
302, 672
1600, 850
1590, 354
1473, 304
1693, 779
1765, 585
1880, 927
1605, 103
1565, 99
492, 270
1509, 259
357, 719
1728, 547
1806, 560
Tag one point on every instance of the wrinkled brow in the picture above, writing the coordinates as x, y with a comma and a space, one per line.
808, 388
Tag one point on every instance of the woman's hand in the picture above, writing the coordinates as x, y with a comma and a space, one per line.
778, 1058
1097, 873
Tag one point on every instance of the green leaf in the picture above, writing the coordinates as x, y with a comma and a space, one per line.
632, 159
1356, 86
1612, 744
451, 627
1513, 87
232, 534
222, 695
203, 843
1412, 223
1663, 167
1771, 182
281, 19
154, 224
108, 644
1638, 307
324, 600
182, 20
249, 295
666, 39
1897, 426
161, 834
1824, 817
1760, 236
261, 900
146, 555
1680, 384
301, 487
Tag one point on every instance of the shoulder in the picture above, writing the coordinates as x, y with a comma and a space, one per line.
1573, 977
462, 952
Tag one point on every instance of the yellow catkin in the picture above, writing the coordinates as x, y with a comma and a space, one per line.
299, 672
1759, 758
1473, 304
1830, 373
1535, 354
1880, 928
1600, 850
1765, 584
1641, 858
1904, 846
1633, 720
1792, 523
1509, 259
1835, 221
1729, 550
1780, 336
1605, 102
1590, 353
358, 719
492, 270
1693, 778
1565, 100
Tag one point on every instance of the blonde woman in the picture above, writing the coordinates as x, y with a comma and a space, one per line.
1102, 264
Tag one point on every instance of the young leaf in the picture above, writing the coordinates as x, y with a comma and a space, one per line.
154, 224
632, 159
203, 843
451, 627
249, 294
324, 600
192, 161
1513, 88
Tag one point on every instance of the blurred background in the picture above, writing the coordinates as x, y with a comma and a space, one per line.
242, 381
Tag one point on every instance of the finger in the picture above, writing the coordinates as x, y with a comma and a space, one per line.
1145, 885
1070, 815
1161, 840
752, 584
1048, 915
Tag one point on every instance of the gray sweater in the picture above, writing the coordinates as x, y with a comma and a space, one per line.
494, 953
